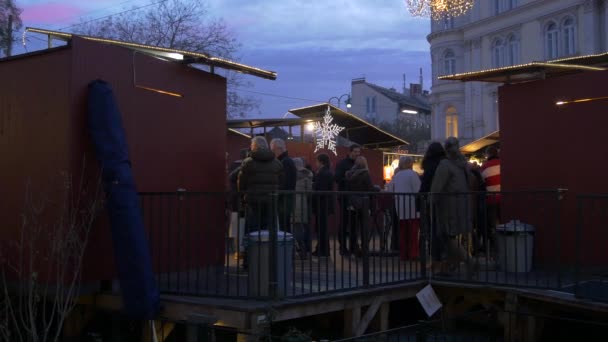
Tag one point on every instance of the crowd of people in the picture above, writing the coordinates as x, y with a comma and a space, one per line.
276, 189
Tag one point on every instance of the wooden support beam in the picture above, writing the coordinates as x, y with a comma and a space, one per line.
511, 326
369, 315
76, 320
384, 315
352, 317
160, 330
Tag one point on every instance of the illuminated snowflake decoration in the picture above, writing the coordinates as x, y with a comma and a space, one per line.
326, 133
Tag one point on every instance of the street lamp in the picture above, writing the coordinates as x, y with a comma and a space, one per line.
348, 103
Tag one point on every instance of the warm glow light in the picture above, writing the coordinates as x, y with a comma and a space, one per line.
561, 103
177, 56
409, 111
160, 91
439, 9
310, 126
388, 173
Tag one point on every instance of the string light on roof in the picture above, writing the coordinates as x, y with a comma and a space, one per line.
439, 9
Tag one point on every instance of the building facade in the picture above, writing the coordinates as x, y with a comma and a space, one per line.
377, 104
499, 33
406, 114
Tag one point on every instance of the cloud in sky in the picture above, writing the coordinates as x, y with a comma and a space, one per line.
335, 24
49, 12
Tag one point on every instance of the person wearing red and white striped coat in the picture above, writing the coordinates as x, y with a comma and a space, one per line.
490, 171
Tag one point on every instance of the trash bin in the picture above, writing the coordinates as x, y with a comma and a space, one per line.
258, 256
514, 243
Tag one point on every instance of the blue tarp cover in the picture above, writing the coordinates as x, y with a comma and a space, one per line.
131, 249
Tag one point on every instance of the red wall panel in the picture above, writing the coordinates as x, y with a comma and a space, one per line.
174, 142
545, 146
34, 128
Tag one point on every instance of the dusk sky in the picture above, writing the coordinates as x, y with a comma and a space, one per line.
316, 46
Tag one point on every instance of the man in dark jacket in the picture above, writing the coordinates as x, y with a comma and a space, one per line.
278, 147
340, 177
260, 175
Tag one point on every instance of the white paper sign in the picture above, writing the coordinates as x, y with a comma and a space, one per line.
429, 300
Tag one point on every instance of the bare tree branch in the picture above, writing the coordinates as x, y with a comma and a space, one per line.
184, 25
50, 250
8, 8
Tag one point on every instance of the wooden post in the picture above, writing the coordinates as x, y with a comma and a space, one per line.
76, 321
352, 317
384, 314
511, 326
192, 333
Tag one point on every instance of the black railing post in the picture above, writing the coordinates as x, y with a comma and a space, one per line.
579, 232
365, 222
560, 197
420, 200
272, 239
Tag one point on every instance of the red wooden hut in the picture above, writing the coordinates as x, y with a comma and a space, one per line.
552, 120
174, 117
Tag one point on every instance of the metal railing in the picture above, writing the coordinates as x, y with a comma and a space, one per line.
506, 238
591, 251
234, 245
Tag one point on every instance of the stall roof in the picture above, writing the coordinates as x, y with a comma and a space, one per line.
521, 73
480, 143
356, 129
186, 57
535, 70
234, 131
256, 123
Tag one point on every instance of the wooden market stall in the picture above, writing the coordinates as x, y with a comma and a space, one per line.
301, 140
552, 123
165, 104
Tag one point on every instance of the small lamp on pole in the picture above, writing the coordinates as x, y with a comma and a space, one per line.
339, 99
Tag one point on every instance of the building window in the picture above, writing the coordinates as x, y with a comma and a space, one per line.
513, 56
498, 53
451, 122
449, 62
551, 41
504, 5
569, 36
448, 22
370, 103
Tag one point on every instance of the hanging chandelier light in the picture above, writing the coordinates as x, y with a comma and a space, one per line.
438, 9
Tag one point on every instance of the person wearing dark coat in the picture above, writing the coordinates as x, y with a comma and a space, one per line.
286, 201
323, 204
260, 175
433, 156
359, 180
454, 215
344, 166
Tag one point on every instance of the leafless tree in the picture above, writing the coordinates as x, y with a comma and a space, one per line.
178, 24
40, 274
8, 8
